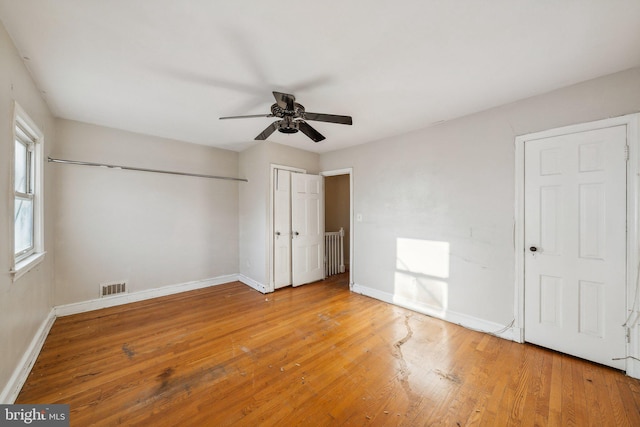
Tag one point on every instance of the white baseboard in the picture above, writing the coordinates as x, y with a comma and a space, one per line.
20, 374
464, 320
252, 283
96, 304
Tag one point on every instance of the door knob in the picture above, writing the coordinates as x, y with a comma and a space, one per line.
277, 233
296, 233
533, 249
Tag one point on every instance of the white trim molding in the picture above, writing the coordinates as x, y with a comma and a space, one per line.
253, 283
632, 123
464, 320
22, 370
23, 267
112, 301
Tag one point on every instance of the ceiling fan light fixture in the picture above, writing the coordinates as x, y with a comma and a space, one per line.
288, 126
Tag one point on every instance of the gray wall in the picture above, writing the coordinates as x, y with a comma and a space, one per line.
26, 303
150, 229
437, 204
255, 164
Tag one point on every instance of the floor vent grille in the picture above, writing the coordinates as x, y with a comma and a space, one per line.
109, 289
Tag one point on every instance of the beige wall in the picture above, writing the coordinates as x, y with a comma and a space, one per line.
26, 303
147, 228
452, 188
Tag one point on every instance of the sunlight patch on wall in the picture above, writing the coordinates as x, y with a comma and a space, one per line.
426, 257
422, 267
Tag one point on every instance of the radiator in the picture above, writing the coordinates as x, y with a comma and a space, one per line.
334, 252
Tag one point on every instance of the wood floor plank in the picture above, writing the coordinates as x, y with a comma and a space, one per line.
554, 417
569, 405
314, 355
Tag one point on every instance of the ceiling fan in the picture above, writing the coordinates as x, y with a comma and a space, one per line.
292, 118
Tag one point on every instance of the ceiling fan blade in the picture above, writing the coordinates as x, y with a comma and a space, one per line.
331, 118
309, 131
268, 131
284, 100
246, 117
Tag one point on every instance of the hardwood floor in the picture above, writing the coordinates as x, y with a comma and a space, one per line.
315, 355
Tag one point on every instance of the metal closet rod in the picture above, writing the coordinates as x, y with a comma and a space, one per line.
130, 168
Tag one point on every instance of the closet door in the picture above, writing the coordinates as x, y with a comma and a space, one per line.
307, 225
282, 228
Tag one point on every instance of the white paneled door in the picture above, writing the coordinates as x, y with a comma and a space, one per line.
575, 236
307, 225
282, 228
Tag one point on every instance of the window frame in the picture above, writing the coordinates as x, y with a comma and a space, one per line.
26, 132
28, 141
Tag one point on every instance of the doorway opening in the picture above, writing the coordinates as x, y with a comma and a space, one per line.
338, 211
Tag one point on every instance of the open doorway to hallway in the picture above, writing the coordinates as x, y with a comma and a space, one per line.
338, 213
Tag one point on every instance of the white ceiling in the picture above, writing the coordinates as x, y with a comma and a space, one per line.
171, 68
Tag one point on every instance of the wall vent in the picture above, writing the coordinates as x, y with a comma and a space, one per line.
113, 288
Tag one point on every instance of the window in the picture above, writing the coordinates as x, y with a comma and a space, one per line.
24, 193
27, 190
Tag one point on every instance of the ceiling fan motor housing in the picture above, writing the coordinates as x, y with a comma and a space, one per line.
278, 111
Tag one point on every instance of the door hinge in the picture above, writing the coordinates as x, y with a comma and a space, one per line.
626, 152
628, 335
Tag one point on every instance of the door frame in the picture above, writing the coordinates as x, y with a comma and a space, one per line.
271, 287
632, 123
346, 171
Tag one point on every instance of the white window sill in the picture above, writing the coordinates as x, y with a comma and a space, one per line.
24, 266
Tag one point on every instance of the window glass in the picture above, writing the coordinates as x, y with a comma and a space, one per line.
23, 225
21, 168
